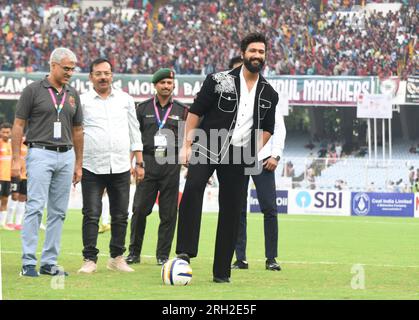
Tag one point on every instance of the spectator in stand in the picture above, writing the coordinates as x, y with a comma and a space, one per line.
390, 186
310, 145
323, 150
332, 155
371, 187
415, 187
289, 170
412, 175
341, 184
311, 179
338, 149
190, 36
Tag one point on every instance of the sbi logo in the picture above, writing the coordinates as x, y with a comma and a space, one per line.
303, 199
361, 204
320, 199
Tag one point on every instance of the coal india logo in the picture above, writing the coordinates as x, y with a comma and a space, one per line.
361, 204
303, 199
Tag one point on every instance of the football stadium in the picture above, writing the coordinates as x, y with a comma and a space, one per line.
344, 76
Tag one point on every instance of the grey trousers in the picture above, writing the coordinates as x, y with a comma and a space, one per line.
49, 182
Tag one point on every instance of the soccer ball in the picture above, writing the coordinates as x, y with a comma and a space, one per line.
176, 272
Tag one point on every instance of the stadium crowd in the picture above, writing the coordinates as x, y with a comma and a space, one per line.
199, 37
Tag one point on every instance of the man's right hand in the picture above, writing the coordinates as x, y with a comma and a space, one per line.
16, 169
185, 154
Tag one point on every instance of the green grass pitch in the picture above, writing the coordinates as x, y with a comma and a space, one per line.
322, 258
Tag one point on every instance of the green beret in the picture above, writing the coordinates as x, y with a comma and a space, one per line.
163, 73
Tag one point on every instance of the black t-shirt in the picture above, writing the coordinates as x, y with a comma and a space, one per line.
149, 124
36, 106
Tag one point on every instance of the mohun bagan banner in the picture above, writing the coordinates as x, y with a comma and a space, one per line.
316, 90
300, 90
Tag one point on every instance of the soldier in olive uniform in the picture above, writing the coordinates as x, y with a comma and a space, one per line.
160, 118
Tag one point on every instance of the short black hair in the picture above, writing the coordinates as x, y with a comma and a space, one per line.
99, 61
5, 125
234, 60
253, 37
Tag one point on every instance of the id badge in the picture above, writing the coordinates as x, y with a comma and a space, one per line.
160, 140
160, 152
160, 144
57, 130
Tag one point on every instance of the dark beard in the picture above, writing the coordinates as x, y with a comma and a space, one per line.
252, 68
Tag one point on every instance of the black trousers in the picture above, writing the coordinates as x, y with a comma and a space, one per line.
93, 186
163, 179
232, 194
266, 193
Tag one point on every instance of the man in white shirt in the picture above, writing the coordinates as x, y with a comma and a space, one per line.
266, 193
111, 133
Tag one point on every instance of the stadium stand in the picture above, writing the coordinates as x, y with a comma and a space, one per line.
330, 38
190, 36
350, 171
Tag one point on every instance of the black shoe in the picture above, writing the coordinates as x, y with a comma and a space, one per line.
132, 258
161, 261
52, 270
29, 271
221, 279
184, 256
240, 264
272, 265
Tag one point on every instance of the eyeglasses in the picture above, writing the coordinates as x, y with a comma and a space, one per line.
67, 69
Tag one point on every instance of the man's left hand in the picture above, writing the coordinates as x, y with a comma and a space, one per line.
77, 174
270, 164
139, 174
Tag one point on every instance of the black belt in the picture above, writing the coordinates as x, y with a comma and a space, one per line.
51, 148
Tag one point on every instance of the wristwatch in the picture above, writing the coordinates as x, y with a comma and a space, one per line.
140, 164
276, 158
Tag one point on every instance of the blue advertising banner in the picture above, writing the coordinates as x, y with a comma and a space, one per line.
382, 204
319, 202
281, 201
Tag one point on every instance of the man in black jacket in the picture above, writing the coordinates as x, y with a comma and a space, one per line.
235, 113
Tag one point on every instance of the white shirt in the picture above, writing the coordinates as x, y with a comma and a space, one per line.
111, 131
244, 123
275, 145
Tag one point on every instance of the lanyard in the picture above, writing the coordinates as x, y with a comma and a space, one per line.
161, 123
61, 105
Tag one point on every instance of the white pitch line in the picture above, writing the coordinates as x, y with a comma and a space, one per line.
290, 217
256, 260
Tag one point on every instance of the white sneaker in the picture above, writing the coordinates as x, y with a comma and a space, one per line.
88, 267
119, 264
9, 227
104, 227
